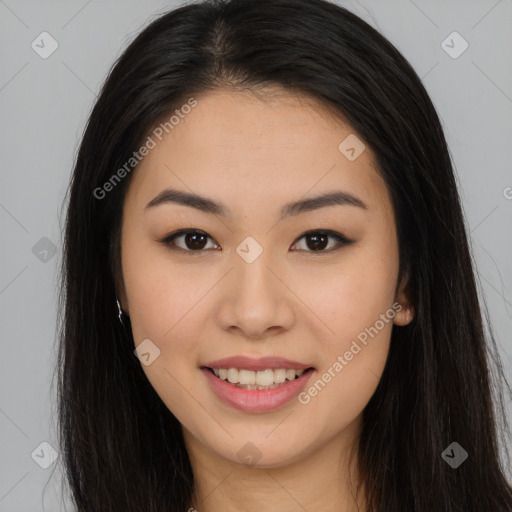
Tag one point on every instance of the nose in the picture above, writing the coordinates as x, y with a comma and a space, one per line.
255, 299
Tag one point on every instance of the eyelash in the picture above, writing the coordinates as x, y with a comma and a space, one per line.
341, 240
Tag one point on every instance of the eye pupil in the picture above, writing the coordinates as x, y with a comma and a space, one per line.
317, 246
195, 244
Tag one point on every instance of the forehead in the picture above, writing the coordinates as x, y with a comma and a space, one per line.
245, 148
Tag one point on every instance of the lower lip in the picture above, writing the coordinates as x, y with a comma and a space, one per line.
257, 400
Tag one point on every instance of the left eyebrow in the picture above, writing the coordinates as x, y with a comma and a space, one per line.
207, 205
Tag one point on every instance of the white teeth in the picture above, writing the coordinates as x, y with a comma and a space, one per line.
247, 377
279, 376
256, 379
264, 377
233, 375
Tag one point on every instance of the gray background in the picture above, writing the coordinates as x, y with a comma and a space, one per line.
45, 103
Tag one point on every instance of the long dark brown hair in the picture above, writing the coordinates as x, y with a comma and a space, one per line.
122, 448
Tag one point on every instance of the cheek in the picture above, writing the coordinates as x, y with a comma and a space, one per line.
162, 310
353, 356
355, 302
160, 299
351, 296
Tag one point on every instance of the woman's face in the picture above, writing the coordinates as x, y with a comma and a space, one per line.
251, 284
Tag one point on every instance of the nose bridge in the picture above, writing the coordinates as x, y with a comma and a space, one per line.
252, 271
256, 299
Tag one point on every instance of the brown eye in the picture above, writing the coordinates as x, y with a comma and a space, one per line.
193, 240
317, 241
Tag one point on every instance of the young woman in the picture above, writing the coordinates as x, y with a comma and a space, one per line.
268, 297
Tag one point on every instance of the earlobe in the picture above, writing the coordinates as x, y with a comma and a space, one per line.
122, 302
405, 314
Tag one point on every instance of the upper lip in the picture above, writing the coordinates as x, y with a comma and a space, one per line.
254, 364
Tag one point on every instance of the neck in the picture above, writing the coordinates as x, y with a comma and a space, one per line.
325, 478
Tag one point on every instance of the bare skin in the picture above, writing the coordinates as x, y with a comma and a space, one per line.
255, 156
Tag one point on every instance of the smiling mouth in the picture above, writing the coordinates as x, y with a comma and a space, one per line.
260, 380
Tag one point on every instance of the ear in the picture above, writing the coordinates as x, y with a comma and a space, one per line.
117, 274
121, 295
121, 292
404, 315
119, 287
